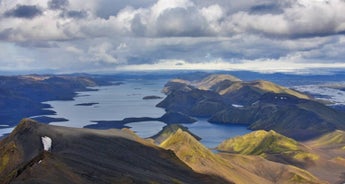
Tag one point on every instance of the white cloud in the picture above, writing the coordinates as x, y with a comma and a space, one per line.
164, 5
298, 19
213, 14
101, 53
113, 32
74, 50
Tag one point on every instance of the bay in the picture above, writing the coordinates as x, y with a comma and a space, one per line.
114, 102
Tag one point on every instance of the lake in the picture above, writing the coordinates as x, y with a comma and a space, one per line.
117, 102
121, 101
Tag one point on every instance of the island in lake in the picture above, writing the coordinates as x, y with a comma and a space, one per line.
87, 104
151, 97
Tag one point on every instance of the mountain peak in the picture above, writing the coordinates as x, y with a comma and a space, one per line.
170, 130
216, 82
26, 123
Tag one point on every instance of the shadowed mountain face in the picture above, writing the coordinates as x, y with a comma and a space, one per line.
259, 104
21, 96
88, 156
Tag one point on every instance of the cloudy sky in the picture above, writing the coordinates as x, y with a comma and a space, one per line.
118, 35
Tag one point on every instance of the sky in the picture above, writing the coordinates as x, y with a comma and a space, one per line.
115, 35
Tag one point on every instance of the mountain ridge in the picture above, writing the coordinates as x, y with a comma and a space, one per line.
262, 105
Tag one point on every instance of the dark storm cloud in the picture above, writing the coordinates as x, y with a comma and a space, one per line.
24, 11
4, 35
266, 8
112, 7
76, 14
38, 44
58, 4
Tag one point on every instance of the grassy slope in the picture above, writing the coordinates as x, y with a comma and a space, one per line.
324, 156
331, 147
202, 160
236, 168
334, 139
273, 171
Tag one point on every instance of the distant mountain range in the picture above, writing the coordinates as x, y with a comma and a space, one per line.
22, 96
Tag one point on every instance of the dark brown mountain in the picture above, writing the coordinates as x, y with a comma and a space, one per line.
89, 156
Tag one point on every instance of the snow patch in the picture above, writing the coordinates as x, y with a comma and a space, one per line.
47, 143
237, 106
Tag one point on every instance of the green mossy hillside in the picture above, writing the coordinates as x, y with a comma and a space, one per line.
270, 145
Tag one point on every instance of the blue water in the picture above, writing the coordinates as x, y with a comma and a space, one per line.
146, 129
114, 103
119, 102
213, 134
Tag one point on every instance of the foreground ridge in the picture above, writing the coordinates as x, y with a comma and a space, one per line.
89, 156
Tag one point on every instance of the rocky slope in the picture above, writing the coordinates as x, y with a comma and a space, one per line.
89, 156
261, 105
